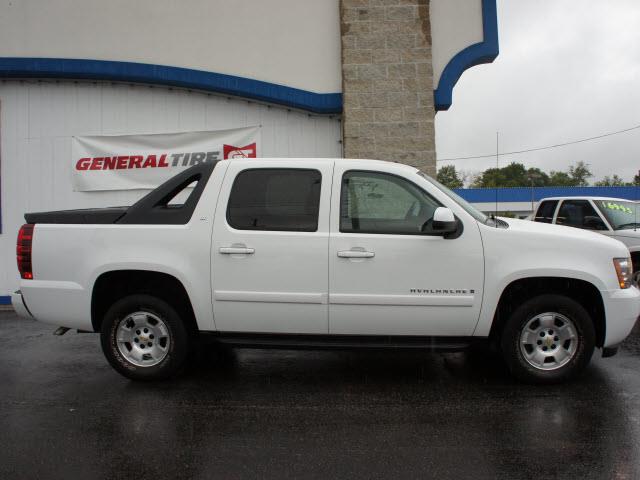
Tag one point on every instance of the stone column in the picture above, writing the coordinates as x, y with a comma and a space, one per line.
388, 81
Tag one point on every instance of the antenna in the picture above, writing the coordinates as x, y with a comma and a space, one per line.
635, 208
495, 216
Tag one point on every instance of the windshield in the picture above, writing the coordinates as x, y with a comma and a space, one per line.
621, 215
470, 209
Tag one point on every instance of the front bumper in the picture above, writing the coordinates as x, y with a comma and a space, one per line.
622, 309
19, 305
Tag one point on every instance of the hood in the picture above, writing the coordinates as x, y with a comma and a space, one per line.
628, 233
559, 234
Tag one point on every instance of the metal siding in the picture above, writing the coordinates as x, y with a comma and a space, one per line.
40, 117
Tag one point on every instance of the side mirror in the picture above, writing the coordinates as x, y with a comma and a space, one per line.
593, 223
444, 221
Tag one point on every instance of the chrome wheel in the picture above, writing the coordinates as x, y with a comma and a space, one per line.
549, 341
143, 339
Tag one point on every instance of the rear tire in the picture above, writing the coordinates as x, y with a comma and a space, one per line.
548, 339
144, 338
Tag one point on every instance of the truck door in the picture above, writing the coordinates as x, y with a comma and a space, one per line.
581, 214
269, 249
385, 276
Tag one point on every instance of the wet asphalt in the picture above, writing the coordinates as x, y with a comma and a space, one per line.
64, 413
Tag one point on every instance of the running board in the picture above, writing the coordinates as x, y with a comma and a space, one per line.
341, 342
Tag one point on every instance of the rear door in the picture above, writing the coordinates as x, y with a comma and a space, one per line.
269, 248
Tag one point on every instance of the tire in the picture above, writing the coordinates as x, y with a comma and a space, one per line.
144, 338
541, 329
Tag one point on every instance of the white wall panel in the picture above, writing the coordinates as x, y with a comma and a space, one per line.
285, 42
38, 119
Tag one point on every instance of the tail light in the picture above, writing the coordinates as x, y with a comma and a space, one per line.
23, 251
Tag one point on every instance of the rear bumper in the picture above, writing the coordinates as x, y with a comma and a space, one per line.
622, 310
19, 305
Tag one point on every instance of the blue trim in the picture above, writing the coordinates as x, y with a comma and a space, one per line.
5, 300
523, 194
483, 52
14, 67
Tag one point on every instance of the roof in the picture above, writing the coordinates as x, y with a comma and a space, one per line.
584, 197
523, 194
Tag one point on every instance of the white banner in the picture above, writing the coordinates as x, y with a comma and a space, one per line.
128, 162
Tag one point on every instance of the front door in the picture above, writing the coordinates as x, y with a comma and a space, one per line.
385, 276
269, 248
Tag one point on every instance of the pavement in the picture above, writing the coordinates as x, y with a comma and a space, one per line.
64, 413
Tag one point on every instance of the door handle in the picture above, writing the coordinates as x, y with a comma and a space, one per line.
236, 250
355, 254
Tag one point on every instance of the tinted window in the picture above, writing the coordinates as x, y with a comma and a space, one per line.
573, 212
546, 210
275, 199
373, 202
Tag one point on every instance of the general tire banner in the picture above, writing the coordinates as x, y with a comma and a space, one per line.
129, 162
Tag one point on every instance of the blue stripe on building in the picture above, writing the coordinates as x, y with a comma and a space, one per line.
13, 67
523, 194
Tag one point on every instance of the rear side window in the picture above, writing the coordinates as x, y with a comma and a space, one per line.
281, 199
545, 211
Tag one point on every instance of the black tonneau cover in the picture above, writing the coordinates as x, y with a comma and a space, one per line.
96, 216
152, 209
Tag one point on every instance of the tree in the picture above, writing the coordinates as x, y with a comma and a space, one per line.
580, 174
576, 176
614, 181
537, 177
448, 176
513, 175
561, 179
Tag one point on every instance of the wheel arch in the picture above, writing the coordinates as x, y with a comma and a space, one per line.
113, 285
523, 289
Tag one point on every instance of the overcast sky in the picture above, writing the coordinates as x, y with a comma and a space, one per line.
567, 69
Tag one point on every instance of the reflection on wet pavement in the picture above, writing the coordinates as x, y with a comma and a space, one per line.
65, 414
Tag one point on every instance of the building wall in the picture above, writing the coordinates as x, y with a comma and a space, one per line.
38, 118
387, 81
269, 41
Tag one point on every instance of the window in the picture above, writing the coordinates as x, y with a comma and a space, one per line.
373, 202
545, 211
578, 213
621, 214
275, 199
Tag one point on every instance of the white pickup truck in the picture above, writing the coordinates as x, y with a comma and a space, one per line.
614, 217
323, 253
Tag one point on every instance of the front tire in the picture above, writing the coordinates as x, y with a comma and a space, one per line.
548, 339
144, 338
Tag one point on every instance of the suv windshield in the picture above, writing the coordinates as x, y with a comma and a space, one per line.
621, 215
470, 209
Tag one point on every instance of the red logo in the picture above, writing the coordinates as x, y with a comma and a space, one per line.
248, 151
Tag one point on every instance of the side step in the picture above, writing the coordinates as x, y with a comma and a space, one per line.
341, 342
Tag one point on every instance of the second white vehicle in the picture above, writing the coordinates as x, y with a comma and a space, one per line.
323, 253
614, 217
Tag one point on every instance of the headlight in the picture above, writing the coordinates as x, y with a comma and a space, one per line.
624, 271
